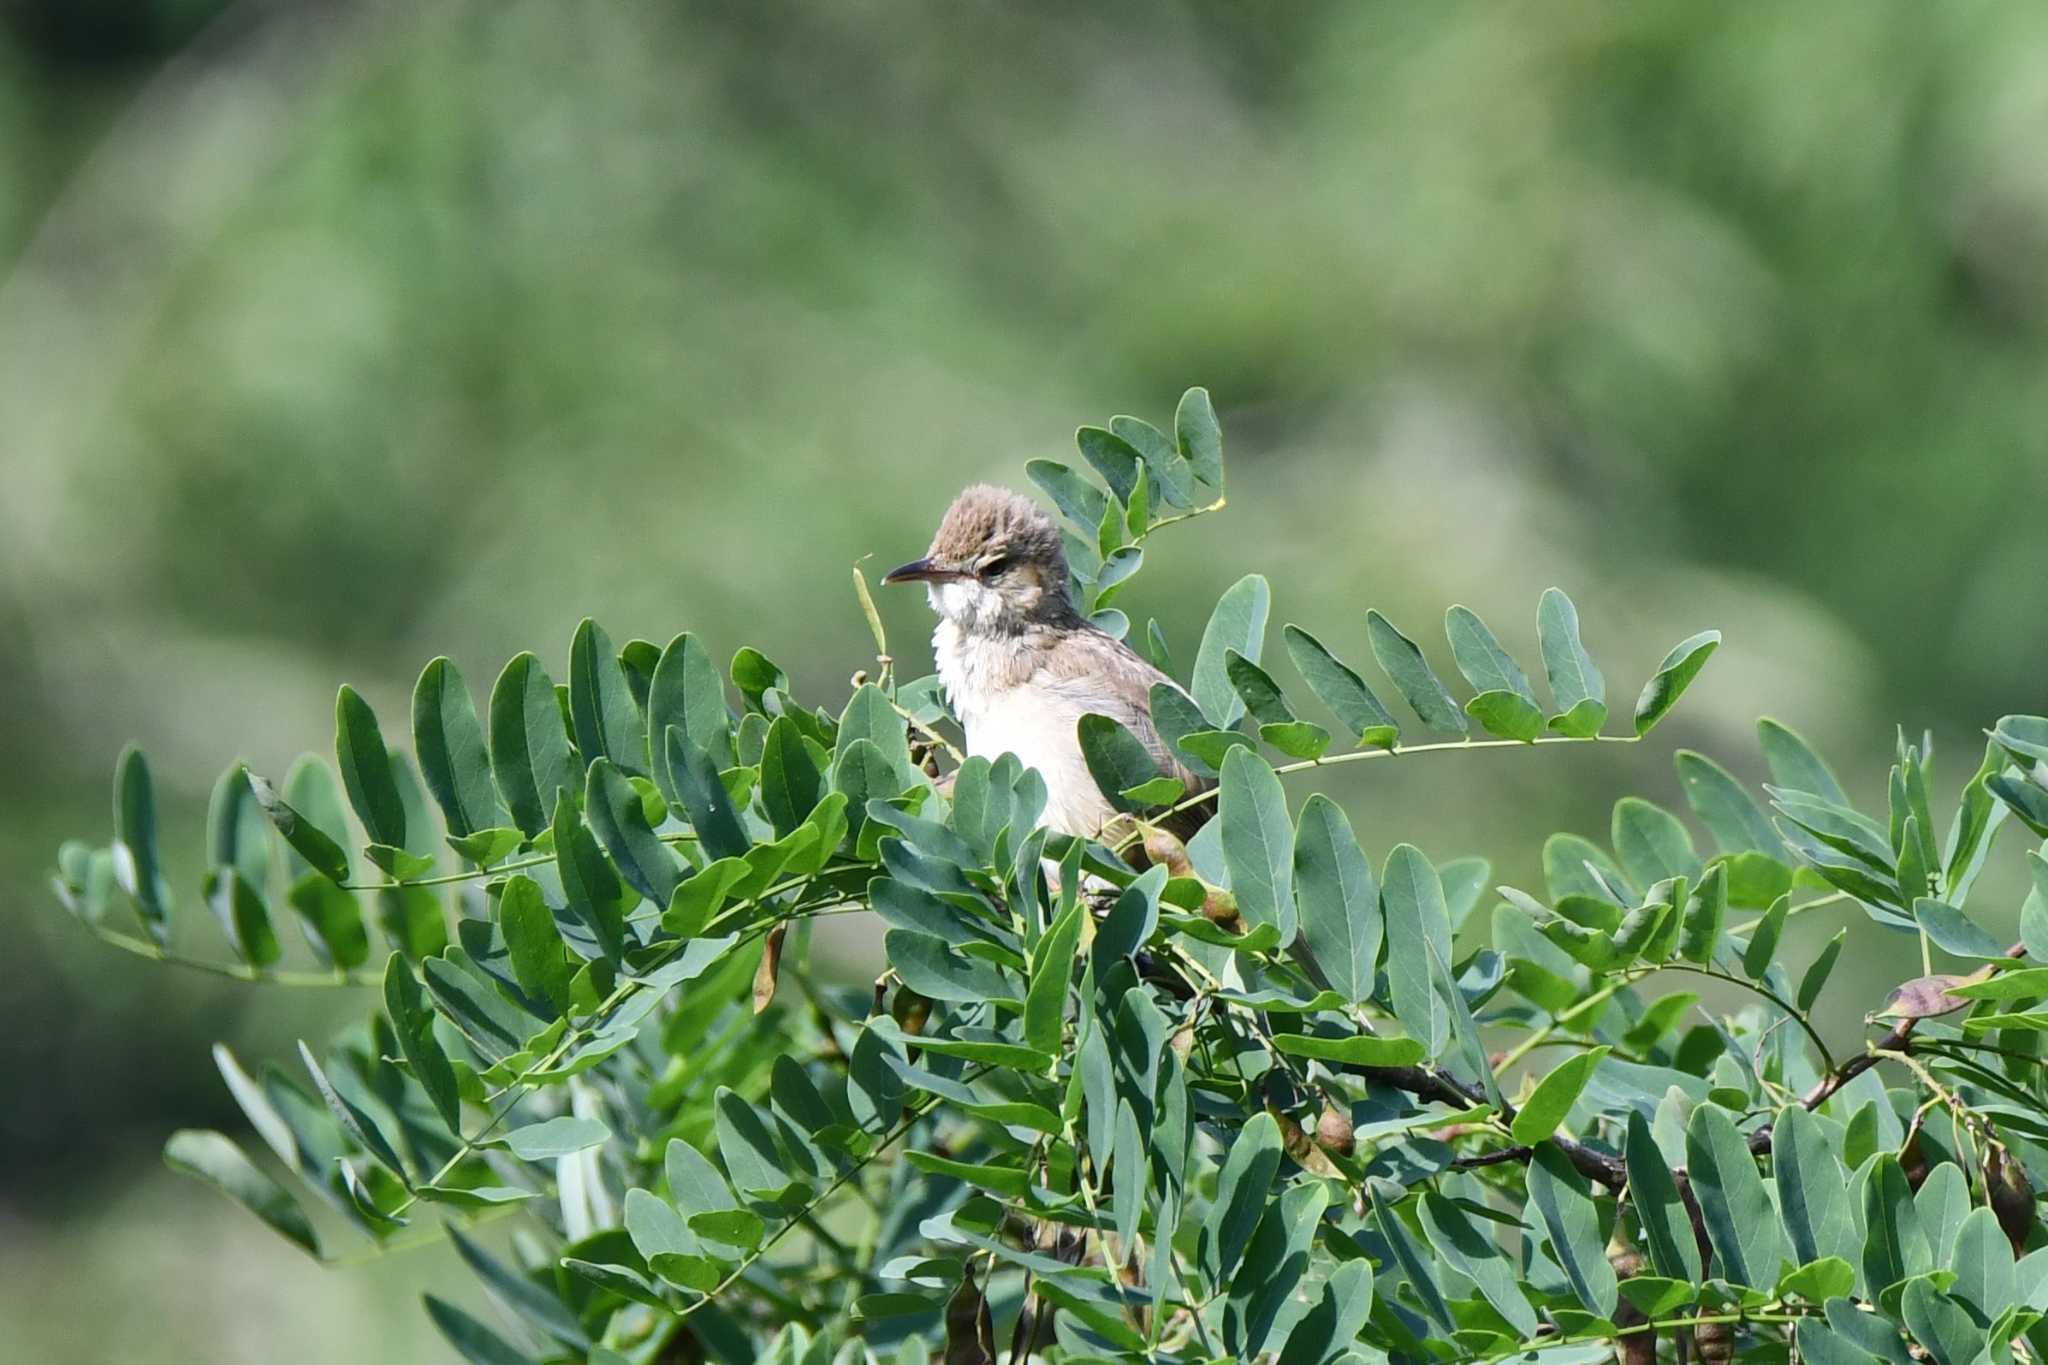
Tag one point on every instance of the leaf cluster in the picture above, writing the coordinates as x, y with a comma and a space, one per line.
1262, 1094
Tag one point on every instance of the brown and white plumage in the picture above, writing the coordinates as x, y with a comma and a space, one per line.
1020, 665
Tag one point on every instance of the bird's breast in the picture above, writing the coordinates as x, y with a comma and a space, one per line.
1035, 723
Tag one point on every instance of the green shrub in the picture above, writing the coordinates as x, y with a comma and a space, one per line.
1268, 1098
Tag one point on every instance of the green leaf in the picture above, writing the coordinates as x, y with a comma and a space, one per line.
619, 819
1818, 1281
1258, 842
700, 896
1763, 939
1942, 1325
1116, 759
1895, 1242
1052, 968
1795, 766
487, 847
1158, 791
1241, 1193
1656, 1297
744, 1140
1672, 677
1566, 873
1199, 438
1576, 686
1465, 1029
1953, 932
237, 832
2024, 737
2012, 985
791, 783
1006, 1181
474, 1004
1080, 501
1412, 676
1167, 467
136, 862
1667, 1229
1206, 749
869, 716
592, 889
534, 943
1554, 1096
931, 967
1338, 899
1417, 919
689, 695
360, 1127
243, 916
1725, 806
551, 1138
530, 756
1476, 1254
449, 741
1507, 715
1256, 688
1487, 666
1813, 1189
1337, 1318
1354, 703
333, 921
1705, 910
601, 705
413, 1024
1815, 978
1651, 843
1417, 1269
1359, 1049
1239, 623
473, 1341
1114, 458
1983, 1262
1175, 715
704, 798
1564, 1202
1297, 738
1820, 1345
2026, 800
217, 1160
365, 764
739, 1228
1733, 1201
756, 675
520, 1294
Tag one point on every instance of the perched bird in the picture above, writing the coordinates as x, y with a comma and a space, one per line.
1020, 665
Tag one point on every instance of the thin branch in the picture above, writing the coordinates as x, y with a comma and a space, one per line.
1899, 1039
233, 971
1202, 798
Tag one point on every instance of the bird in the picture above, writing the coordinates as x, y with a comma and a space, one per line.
1020, 664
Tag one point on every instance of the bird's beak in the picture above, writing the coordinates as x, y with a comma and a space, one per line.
919, 571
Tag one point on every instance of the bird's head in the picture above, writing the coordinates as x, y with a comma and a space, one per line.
996, 565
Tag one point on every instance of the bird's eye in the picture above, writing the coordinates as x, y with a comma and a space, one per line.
990, 568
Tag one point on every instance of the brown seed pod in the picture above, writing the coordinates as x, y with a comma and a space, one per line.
1715, 1342
910, 1010
1333, 1131
1163, 850
2012, 1196
771, 963
1914, 1162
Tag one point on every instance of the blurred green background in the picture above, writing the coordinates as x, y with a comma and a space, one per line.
334, 336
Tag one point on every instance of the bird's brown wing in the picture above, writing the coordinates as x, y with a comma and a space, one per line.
1114, 681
